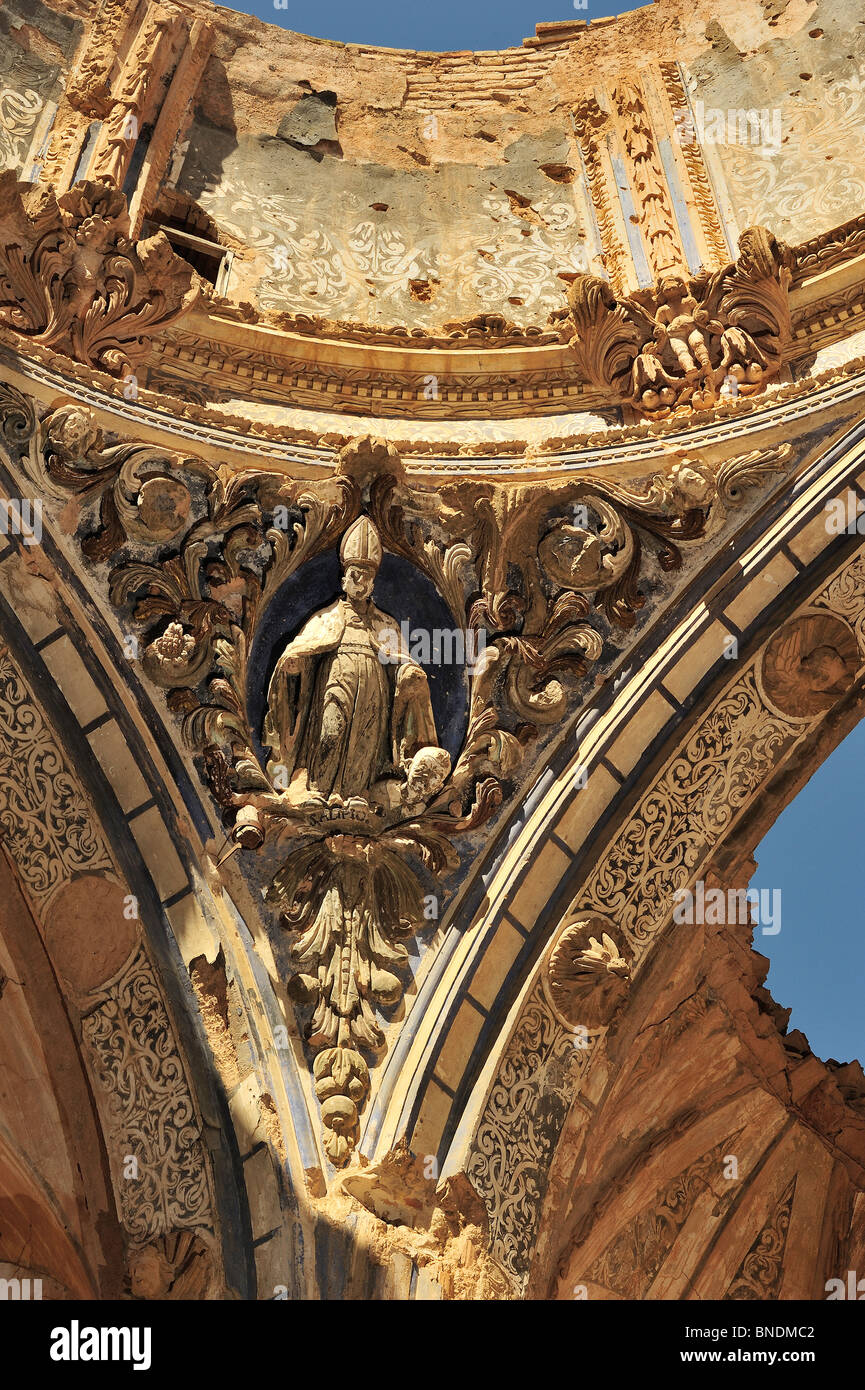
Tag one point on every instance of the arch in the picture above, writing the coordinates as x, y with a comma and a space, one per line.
93, 893
689, 802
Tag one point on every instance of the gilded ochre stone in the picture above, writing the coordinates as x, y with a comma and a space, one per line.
415, 576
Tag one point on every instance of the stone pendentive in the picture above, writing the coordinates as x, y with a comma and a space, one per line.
414, 469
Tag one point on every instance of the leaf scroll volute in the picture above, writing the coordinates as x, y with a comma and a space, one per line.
585, 561
568, 642
70, 277
322, 516
750, 470
607, 334
448, 565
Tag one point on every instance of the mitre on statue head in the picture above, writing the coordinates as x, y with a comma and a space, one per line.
360, 545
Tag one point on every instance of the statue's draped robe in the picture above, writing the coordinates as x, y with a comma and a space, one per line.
345, 717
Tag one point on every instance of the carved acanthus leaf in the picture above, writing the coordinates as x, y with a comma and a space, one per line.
676, 345
71, 278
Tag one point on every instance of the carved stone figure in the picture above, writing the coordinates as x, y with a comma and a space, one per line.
810, 664
348, 709
673, 346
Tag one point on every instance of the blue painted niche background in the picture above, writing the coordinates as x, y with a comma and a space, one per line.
400, 590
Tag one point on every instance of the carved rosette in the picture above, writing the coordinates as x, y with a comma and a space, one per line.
587, 973
808, 664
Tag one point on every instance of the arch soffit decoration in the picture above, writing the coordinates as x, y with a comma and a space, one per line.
636, 839
97, 893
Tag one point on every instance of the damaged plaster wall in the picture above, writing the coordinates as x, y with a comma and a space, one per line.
36, 47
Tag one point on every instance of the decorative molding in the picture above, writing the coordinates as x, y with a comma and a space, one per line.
88, 90
835, 247
456, 335
653, 204
142, 72
590, 124
695, 166
87, 97
212, 430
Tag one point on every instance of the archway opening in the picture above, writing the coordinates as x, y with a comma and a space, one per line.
812, 861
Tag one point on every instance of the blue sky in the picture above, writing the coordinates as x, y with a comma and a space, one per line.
438, 26
814, 851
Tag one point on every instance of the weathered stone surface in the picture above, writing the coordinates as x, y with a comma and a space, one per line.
418, 578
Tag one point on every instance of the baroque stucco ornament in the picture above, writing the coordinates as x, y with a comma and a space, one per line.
72, 279
354, 788
675, 346
587, 972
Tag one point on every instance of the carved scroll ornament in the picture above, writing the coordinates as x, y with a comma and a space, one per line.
355, 785
675, 346
71, 278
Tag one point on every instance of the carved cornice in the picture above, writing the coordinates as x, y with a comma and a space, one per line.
167, 417
466, 335
231, 353
836, 247
135, 292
